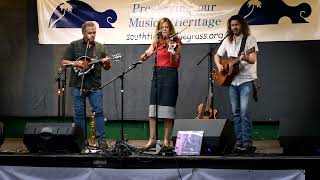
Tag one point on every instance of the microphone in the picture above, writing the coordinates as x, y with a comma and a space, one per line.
133, 65
136, 63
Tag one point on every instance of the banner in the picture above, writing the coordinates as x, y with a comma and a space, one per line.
196, 21
90, 173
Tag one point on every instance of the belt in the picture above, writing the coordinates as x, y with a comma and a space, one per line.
88, 90
165, 67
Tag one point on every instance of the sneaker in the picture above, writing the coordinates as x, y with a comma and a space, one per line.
248, 149
238, 148
102, 143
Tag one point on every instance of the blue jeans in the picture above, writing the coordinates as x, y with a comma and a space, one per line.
96, 102
239, 98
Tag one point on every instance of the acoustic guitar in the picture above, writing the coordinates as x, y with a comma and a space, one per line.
230, 69
205, 109
89, 63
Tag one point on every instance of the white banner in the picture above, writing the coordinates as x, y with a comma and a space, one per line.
76, 173
197, 21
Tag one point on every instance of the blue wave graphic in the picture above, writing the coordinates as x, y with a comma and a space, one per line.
74, 13
260, 12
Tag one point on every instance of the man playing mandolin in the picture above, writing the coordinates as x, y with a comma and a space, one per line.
87, 85
238, 42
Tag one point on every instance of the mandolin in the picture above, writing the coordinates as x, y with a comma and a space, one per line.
89, 63
205, 109
230, 70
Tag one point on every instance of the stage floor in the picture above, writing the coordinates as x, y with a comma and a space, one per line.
15, 145
268, 156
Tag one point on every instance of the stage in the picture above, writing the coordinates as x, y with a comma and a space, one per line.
267, 158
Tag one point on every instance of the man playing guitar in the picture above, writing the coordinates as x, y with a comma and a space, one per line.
241, 86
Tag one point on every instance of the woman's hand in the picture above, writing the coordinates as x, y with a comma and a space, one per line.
145, 55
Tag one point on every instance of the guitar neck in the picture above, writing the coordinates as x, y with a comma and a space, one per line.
237, 60
100, 60
208, 105
114, 57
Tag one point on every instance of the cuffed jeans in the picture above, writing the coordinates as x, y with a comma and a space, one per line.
239, 98
96, 101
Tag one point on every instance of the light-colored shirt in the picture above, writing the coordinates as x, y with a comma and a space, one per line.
247, 72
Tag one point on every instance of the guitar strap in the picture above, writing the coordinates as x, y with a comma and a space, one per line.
243, 43
94, 52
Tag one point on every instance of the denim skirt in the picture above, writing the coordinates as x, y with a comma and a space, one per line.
166, 86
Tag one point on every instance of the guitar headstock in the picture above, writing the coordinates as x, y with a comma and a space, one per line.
116, 57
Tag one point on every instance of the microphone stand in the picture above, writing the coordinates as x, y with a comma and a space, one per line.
64, 90
156, 83
61, 92
210, 68
84, 95
58, 79
122, 144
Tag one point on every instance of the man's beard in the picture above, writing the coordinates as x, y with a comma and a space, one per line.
236, 32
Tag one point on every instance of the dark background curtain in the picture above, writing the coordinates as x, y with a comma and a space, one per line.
287, 71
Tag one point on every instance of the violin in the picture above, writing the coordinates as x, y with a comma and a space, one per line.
171, 46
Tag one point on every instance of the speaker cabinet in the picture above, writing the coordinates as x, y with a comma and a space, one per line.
53, 137
300, 136
2, 133
218, 137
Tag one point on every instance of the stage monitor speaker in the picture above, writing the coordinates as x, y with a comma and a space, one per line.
218, 137
300, 136
53, 137
2, 133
